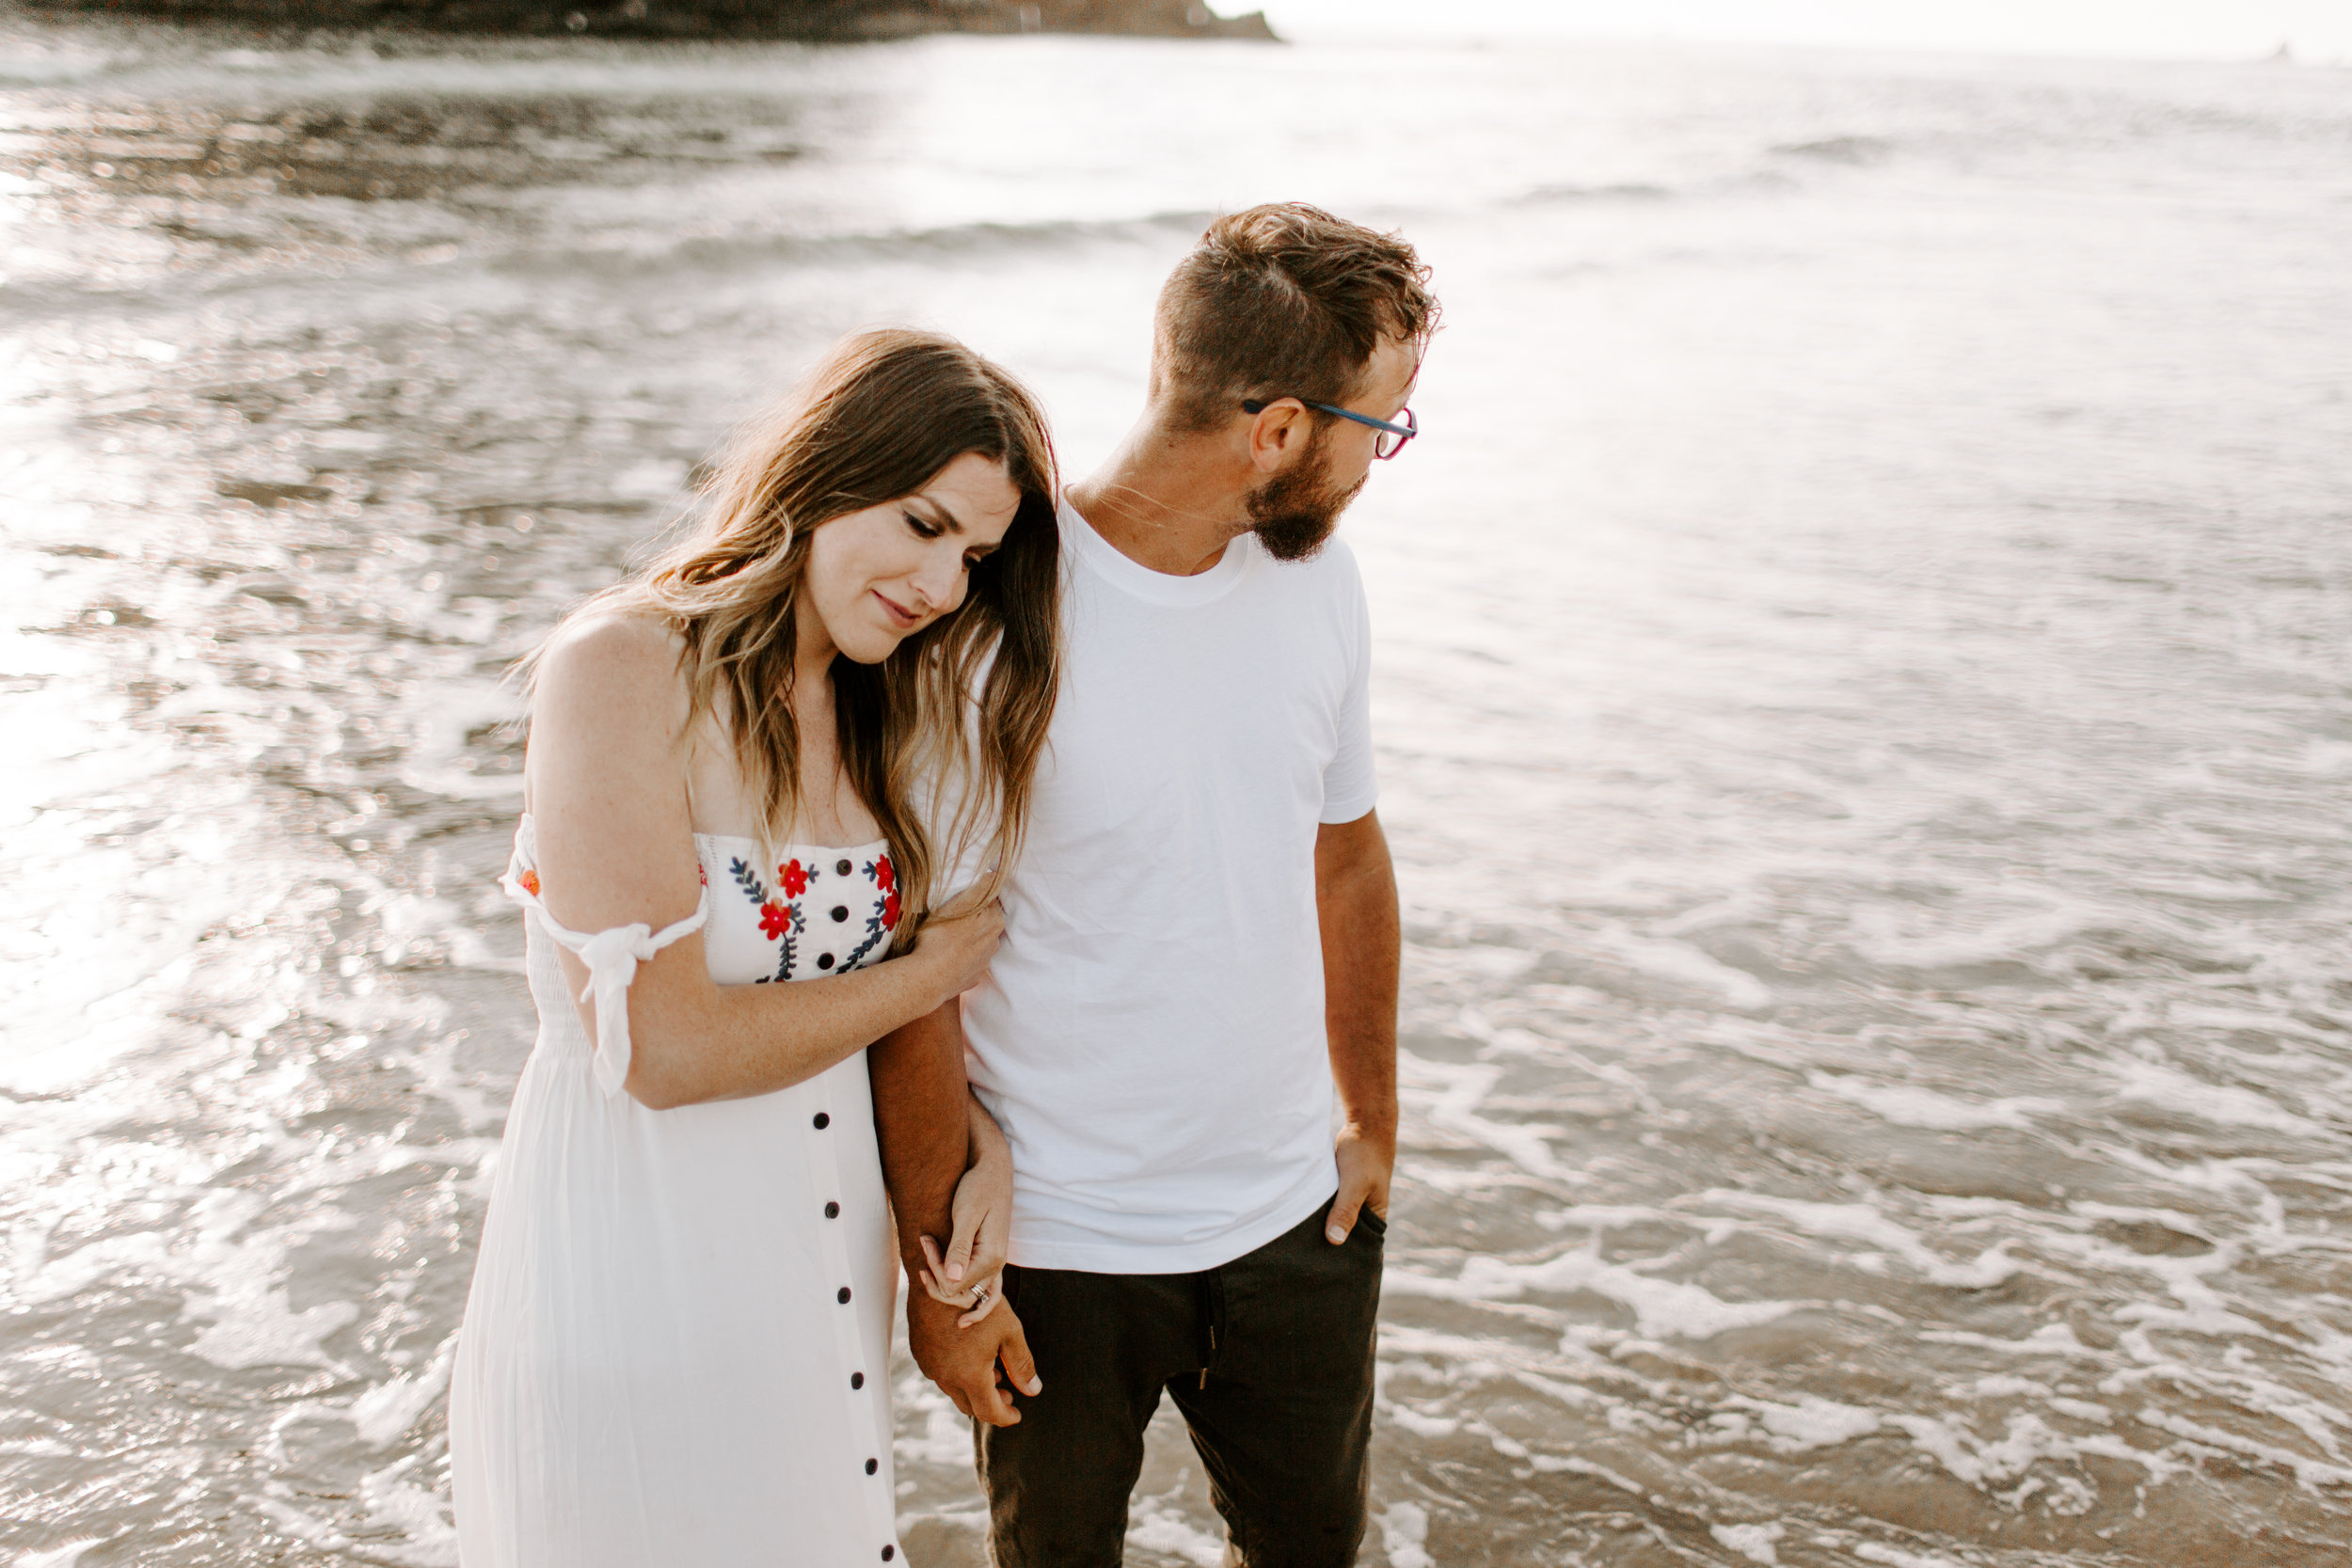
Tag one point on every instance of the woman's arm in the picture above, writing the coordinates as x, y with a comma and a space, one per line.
965, 1276
606, 780
983, 1210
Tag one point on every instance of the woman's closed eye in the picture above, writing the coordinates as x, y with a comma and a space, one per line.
925, 529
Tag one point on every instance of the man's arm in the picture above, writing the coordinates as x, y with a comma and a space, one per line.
923, 1124
1356, 907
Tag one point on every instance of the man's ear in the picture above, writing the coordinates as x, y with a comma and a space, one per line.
1276, 432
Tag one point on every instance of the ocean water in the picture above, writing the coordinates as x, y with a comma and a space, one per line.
1864, 685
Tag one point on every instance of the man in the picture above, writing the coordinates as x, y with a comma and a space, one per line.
1201, 941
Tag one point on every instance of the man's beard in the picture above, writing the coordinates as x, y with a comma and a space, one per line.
1292, 513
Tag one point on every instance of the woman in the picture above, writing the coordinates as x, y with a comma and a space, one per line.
677, 1350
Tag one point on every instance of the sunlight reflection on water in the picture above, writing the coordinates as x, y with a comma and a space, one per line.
1862, 684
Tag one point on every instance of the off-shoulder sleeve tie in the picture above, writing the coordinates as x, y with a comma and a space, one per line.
612, 956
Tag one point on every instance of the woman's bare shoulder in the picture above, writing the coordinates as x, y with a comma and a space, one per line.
612, 665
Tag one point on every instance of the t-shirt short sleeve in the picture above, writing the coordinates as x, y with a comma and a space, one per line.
1350, 787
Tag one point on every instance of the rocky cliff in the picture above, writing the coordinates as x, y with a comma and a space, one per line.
840, 19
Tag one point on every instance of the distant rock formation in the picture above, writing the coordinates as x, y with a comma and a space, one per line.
1182, 18
835, 20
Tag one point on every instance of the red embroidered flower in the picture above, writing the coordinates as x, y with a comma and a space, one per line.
884, 877
701, 874
530, 881
890, 911
773, 918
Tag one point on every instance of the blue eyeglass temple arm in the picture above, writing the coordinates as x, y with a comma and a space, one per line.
1258, 405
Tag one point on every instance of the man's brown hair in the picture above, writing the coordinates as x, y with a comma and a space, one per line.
1283, 300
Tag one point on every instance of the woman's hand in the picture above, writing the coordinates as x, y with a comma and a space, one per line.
968, 1273
959, 943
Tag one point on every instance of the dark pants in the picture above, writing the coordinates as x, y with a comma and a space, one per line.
1270, 1359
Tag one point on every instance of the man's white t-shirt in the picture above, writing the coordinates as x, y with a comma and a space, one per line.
1151, 1038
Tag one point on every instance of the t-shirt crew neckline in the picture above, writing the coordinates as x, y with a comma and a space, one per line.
1163, 587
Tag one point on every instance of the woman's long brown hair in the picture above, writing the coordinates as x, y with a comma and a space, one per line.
883, 415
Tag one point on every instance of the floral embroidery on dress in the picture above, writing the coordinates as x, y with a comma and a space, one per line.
885, 918
795, 923
776, 920
783, 920
530, 881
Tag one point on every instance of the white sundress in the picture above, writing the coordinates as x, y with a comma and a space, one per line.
677, 1346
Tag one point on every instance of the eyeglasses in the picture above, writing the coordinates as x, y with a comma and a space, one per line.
1387, 443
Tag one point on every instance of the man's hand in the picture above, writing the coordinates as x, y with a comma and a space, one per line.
1366, 1163
965, 1361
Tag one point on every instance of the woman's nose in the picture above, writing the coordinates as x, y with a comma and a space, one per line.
940, 583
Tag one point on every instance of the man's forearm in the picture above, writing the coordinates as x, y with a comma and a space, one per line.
921, 1120
1357, 907
1359, 1018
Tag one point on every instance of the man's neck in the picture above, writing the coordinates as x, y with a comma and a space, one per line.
1170, 503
